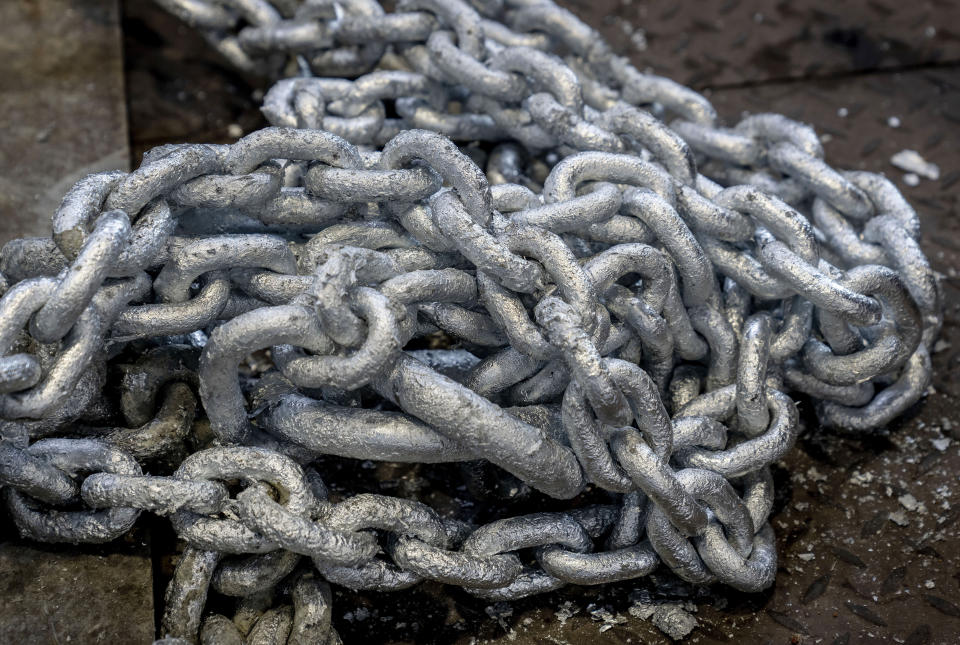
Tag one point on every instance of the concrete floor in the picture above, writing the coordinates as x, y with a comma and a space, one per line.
867, 529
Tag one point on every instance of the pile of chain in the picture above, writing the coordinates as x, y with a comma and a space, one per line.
618, 311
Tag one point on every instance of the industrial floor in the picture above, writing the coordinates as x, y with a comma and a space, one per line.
867, 528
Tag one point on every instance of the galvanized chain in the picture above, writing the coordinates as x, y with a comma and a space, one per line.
625, 307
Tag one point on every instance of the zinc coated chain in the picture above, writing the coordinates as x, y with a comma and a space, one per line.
626, 305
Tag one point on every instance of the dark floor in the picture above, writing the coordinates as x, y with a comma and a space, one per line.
868, 531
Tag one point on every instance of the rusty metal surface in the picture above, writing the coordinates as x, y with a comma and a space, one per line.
62, 101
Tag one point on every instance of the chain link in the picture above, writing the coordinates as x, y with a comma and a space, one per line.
626, 307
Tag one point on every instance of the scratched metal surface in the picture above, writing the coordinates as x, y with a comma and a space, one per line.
867, 530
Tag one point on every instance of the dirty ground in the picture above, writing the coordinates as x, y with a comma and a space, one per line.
867, 528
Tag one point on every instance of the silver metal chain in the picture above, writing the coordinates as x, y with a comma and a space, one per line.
621, 305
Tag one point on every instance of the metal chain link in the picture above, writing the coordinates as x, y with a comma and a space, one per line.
625, 305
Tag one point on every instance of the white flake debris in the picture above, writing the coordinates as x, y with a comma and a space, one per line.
608, 619
893, 122
941, 444
911, 179
673, 619
861, 479
806, 557
911, 162
899, 518
566, 611
908, 501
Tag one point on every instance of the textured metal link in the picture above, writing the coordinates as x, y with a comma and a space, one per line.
618, 303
